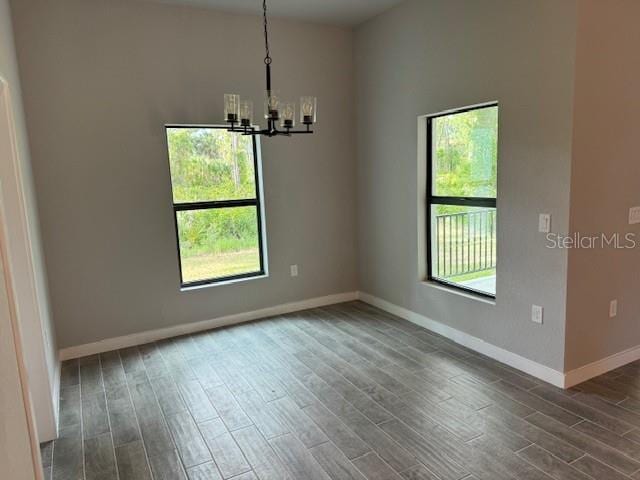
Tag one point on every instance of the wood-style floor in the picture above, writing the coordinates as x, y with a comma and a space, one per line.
342, 392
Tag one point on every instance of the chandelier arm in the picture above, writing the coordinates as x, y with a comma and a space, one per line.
268, 132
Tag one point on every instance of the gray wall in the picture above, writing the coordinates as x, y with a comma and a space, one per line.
101, 78
604, 181
25, 251
426, 56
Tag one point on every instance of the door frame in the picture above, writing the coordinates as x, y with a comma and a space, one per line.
10, 309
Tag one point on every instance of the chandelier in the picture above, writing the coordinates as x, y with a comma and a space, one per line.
280, 115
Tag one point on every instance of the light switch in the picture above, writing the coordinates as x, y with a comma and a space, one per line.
613, 308
634, 215
544, 223
536, 314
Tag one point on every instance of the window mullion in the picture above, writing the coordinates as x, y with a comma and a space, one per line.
464, 201
247, 202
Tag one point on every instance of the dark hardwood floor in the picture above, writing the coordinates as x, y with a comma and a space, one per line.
342, 392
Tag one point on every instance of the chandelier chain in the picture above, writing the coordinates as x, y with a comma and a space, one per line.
267, 58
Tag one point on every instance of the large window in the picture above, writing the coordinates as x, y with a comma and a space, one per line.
216, 203
462, 153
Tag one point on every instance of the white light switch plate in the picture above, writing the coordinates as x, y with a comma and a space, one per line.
634, 215
613, 308
544, 223
536, 314
294, 270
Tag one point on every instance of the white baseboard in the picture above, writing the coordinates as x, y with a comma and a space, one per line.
514, 360
141, 338
547, 374
591, 370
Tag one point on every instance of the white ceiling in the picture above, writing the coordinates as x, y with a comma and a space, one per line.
340, 12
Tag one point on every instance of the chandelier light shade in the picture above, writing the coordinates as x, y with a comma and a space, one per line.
308, 110
280, 115
288, 115
231, 107
271, 105
246, 113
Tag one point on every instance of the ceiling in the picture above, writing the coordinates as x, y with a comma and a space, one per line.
339, 12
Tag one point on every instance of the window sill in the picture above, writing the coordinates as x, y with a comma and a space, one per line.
461, 293
224, 282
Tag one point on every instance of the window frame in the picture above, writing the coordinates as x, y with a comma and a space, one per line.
431, 199
256, 202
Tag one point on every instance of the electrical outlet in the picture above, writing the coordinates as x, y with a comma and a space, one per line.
613, 308
544, 223
634, 215
294, 270
536, 314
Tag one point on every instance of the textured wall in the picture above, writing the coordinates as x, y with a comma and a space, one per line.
426, 56
101, 78
604, 181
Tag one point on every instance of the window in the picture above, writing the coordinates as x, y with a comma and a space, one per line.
462, 153
216, 203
